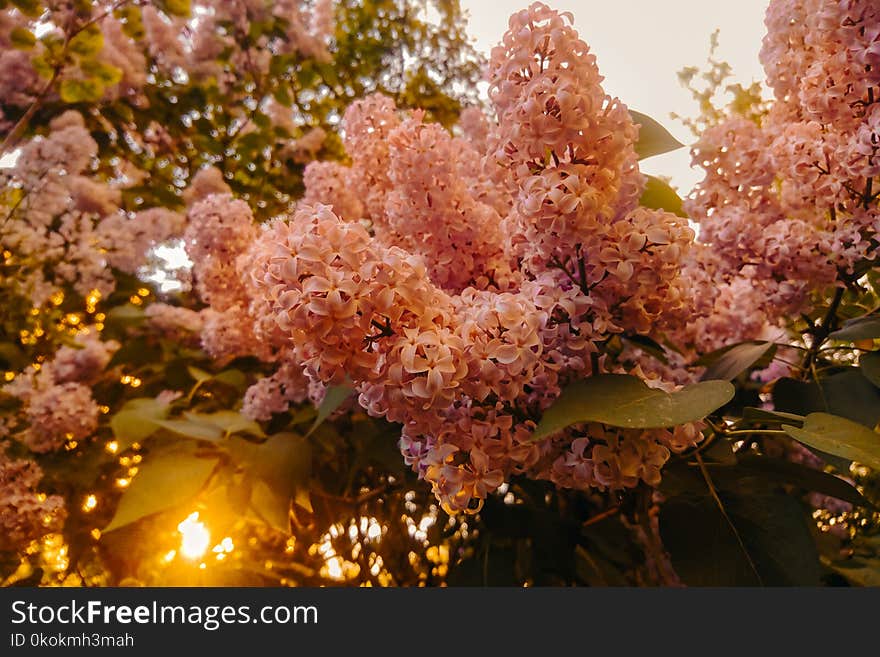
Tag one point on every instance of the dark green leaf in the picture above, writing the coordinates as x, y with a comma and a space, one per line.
804, 477
751, 414
736, 360
870, 366
12, 357
861, 328
773, 528
332, 400
622, 400
847, 393
648, 345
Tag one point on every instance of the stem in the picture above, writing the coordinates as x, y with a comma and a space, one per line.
14, 135
821, 332
751, 432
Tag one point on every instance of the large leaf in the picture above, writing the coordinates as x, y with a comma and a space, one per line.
229, 422
621, 400
735, 360
848, 394
659, 195
137, 420
777, 547
861, 328
870, 366
193, 429
840, 437
788, 472
284, 464
752, 414
164, 480
654, 139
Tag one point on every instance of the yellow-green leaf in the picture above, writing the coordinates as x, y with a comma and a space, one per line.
654, 139
621, 400
659, 195
838, 436
89, 42
22, 38
81, 91
164, 480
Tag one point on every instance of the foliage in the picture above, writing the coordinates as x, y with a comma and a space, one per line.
470, 345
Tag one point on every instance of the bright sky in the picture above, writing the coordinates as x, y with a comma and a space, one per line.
641, 45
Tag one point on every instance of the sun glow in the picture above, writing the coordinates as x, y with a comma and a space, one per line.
195, 537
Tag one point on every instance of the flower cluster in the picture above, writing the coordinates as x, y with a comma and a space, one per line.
25, 514
460, 282
57, 396
787, 206
58, 214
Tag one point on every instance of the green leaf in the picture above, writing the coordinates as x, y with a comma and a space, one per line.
42, 67
859, 572
870, 366
804, 477
233, 377
106, 73
284, 464
198, 374
177, 7
861, 328
81, 91
193, 429
648, 345
773, 527
838, 436
22, 38
164, 480
659, 195
332, 400
271, 507
621, 400
847, 393
12, 357
654, 139
752, 414
132, 21
733, 361
125, 315
136, 421
702, 546
89, 42
229, 422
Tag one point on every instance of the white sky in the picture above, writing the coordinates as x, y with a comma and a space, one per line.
641, 45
